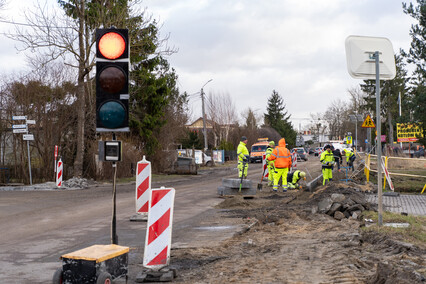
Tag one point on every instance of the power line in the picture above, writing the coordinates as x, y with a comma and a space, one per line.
31, 25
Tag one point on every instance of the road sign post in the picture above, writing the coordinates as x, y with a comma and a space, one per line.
23, 129
372, 58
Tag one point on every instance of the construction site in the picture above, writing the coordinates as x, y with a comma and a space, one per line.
317, 234
321, 234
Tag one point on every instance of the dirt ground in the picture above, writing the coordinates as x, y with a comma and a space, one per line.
284, 242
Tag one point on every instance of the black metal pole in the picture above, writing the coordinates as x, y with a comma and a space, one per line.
114, 237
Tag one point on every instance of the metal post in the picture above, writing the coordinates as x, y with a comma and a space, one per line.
29, 161
114, 237
400, 112
356, 132
369, 140
204, 115
204, 121
379, 141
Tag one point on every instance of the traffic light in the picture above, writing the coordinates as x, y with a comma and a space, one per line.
112, 80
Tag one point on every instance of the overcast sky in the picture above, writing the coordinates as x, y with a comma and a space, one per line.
296, 47
249, 48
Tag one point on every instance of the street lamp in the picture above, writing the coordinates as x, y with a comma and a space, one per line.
204, 115
355, 118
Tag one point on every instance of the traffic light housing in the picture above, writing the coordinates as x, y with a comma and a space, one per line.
112, 80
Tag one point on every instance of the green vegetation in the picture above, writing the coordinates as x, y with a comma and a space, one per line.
415, 233
279, 119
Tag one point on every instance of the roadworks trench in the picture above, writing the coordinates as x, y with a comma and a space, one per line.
287, 240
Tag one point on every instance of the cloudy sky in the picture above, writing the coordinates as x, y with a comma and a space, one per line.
249, 48
296, 47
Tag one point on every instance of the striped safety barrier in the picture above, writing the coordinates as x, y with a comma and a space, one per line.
159, 228
294, 161
59, 172
143, 186
265, 167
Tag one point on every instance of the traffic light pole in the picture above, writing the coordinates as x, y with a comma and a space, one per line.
114, 237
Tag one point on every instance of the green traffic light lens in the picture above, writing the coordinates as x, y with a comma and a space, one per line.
112, 79
112, 114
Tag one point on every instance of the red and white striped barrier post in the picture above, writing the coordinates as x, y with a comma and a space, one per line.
143, 190
385, 170
159, 228
59, 172
56, 156
265, 168
294, 161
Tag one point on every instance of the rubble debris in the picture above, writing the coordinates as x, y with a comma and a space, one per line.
75, 183
332, 199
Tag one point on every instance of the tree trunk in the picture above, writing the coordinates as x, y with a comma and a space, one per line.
78, 163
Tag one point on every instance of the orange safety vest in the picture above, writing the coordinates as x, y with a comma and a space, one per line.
281, 155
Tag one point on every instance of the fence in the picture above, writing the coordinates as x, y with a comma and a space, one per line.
409, 173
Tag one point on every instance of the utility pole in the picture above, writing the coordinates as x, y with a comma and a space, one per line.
204, 115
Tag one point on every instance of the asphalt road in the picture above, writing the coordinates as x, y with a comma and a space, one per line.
37, 227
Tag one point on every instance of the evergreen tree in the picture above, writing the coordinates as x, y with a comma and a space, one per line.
277, 117
192, 140
251, 120
417, 56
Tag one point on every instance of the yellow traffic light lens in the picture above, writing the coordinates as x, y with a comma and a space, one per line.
112, 45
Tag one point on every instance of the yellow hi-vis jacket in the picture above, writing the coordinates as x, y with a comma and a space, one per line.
242, 152
327, 159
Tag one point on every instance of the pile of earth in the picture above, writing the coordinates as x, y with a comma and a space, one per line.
286, 241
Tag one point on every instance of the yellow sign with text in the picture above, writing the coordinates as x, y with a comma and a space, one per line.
368, 122
408, 132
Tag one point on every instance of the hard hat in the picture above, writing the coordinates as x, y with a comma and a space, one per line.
243, 138
271, 143
302, 174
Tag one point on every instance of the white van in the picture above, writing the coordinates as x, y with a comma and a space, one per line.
198, 156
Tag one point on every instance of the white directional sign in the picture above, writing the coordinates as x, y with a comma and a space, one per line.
20, 130
21, 117
16, 126
30, 121
29, 137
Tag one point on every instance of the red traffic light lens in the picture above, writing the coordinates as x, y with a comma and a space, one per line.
112, 79
112, 45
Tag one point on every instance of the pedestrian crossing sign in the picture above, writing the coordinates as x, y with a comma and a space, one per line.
368, 122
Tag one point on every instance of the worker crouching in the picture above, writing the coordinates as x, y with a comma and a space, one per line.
282, 161
294, 177
350, 158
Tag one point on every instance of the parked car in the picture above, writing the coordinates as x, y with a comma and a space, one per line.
311, 151
198, 156
301, 154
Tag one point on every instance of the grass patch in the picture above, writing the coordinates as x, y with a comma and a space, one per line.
403, 184
126, 180
415, 233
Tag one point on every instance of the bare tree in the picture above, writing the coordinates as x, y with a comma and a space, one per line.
337, 118
221, 110
68, 35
